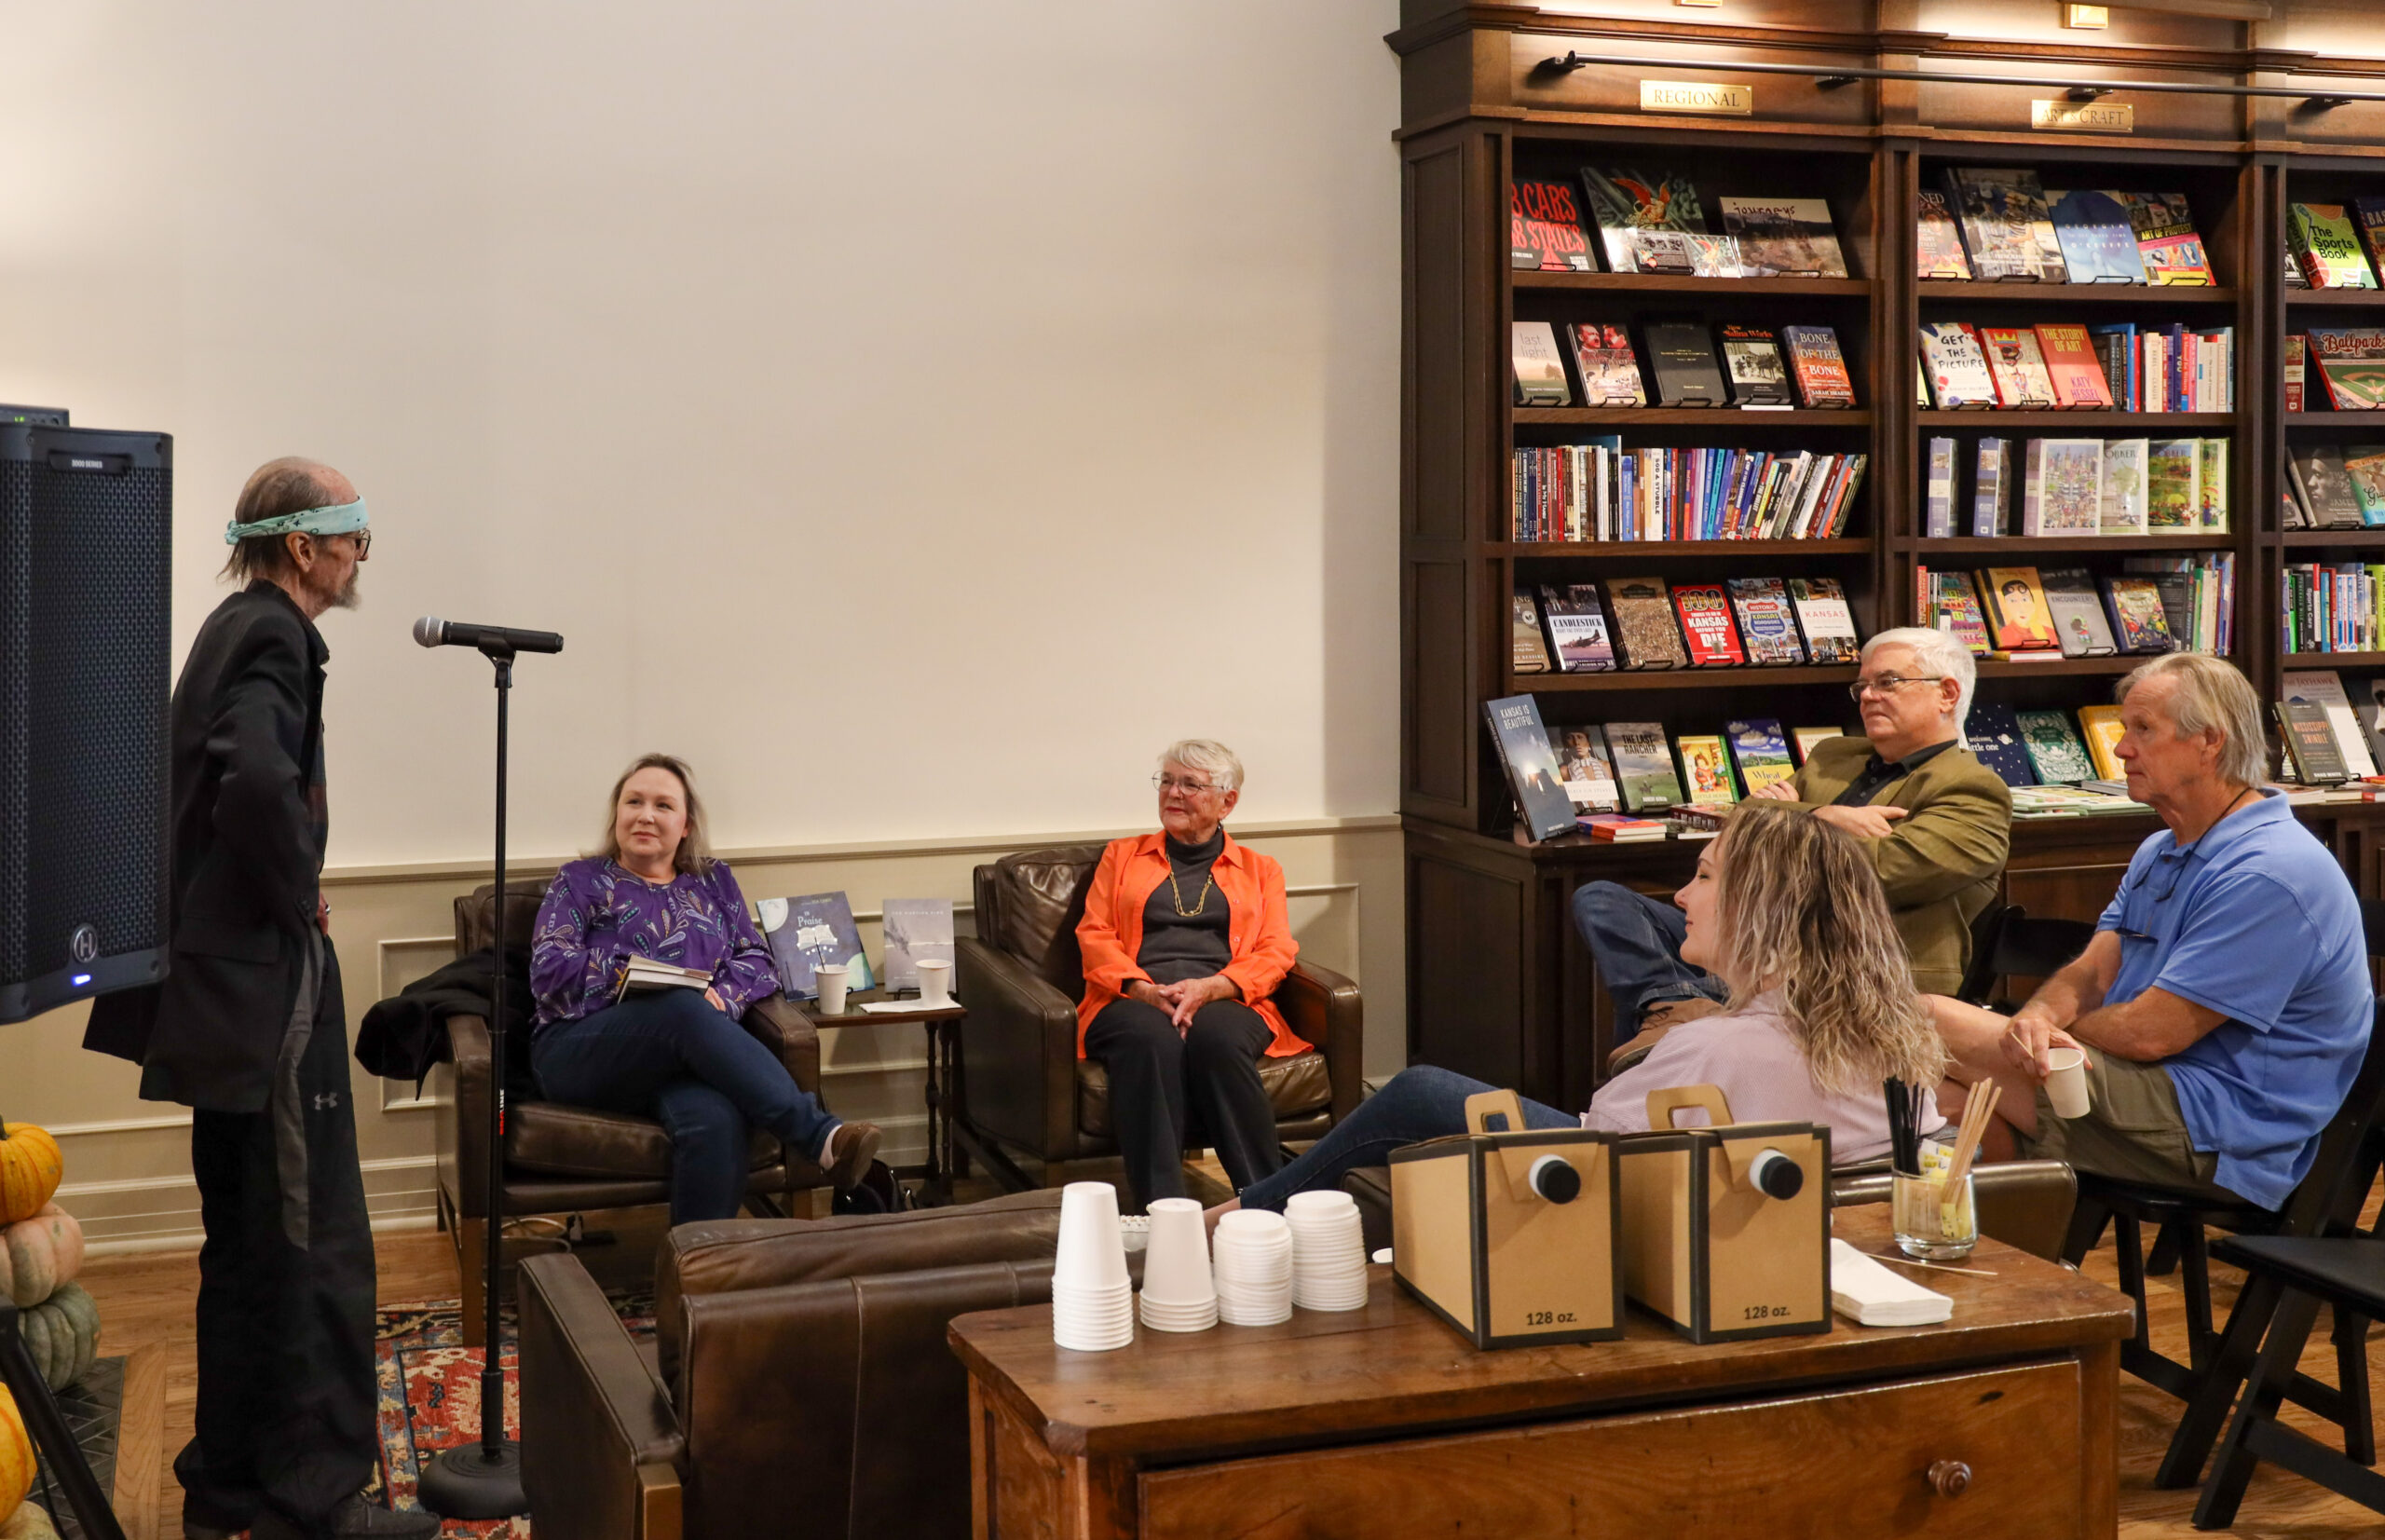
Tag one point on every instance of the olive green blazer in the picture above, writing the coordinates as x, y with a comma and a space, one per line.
1941, 863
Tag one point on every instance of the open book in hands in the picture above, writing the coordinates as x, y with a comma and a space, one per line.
645, 973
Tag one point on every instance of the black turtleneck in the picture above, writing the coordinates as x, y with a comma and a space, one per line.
1177, 947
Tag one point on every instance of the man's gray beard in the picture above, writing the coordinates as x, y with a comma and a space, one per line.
348, 597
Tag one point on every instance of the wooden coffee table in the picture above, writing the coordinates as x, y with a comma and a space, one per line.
1384, 1423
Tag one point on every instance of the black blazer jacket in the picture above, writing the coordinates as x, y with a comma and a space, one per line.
246, 734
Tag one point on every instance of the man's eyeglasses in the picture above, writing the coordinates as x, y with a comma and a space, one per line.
363, 539
1887, 682
1191, 789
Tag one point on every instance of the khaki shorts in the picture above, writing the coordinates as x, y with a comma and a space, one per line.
2133, 1130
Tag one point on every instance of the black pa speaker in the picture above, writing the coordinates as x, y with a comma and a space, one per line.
86, 665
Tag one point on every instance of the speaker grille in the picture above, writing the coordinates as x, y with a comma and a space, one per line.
16, 672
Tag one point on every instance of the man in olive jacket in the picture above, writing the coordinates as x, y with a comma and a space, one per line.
249, 1031
1937, 822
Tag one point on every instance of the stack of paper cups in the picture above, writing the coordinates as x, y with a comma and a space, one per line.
1093, 1302
1329, 1251
1179, 1294
1253, 1268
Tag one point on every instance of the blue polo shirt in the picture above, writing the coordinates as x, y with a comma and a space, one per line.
2257, 922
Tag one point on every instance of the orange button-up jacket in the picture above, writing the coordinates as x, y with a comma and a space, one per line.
1261, 931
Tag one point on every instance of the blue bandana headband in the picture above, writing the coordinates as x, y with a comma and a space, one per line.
346, 519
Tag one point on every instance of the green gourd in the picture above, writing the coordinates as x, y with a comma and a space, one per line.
62, 1333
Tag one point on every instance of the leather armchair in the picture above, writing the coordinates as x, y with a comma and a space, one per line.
799, 1382
565, 1160
1022, 976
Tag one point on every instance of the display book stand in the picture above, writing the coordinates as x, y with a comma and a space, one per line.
61, 1456
1478, 121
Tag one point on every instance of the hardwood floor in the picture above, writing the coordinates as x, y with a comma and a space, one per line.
145, 1308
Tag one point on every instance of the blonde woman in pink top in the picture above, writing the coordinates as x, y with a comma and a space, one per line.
1787, 911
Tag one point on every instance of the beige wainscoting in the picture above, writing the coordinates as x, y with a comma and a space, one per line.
128, 1165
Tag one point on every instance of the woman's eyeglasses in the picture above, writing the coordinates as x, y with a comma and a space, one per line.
1191, 789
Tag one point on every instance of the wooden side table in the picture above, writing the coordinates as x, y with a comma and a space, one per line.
1384, 1424
943, 1023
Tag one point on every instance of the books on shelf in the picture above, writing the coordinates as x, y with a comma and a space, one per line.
1783, 236
1993, 734
2364, 467
1952, 605
2369, 220
1544, 810
2055, 752
1683, 354
2318, 478
811, 930
1805, 738
1545, 228
1705, 770
1759, 375
1938, 249
2333, 606
1938, 488
1528, 653
2198, 598
1644, 221
1760, 753
2007, 226
2101, 726
1991, 484
2172, 485
1644, 766
1706, 624
2122, 509
2297, 351
2017, 368
2140, 623
1823, 615
1603, 491
1539, 371
2324, 689
1820, 369
1584, 770
1609, 371
1577, 633
2166, 240
2351, 365
2017, 617
2321, 237
1956, 366
2078, 613
1617, 828
2098, 241
1645, 636
1766, 623
2318, 760
2062, 488
2069, 361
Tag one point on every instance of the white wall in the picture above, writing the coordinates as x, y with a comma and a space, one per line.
1012, 386
913, 414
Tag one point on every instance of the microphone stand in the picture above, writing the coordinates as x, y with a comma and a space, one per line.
483, 1480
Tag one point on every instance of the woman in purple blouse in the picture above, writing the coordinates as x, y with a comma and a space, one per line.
677, 1055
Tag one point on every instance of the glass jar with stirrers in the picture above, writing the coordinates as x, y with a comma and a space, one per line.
1932, 1207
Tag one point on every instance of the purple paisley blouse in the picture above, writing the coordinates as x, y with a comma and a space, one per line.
597, 914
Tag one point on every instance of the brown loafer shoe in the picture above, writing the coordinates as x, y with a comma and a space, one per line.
1654, 1022
856, 1147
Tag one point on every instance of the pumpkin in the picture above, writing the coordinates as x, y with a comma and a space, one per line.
30, 1170
16, 1455
62, 1333
40, 1255
29, 1522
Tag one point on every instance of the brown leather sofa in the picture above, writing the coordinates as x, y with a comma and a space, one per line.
1023, 1087
799, 1382
560, 1159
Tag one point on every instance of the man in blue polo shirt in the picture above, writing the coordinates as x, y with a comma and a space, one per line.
2224, 1004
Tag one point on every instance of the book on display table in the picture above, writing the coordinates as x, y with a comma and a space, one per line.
1543, 808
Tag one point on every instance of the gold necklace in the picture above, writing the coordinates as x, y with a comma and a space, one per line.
1194, 912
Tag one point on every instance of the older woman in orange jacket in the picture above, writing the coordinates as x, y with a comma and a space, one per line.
1184, 938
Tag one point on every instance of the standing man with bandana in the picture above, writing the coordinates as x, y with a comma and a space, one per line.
249, 1031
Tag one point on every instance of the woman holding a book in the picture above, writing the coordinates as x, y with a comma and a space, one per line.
1787, 911
1185, 937
642, 963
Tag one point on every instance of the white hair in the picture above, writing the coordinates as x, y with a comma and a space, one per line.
2208, 694
1206, 753
1939, 652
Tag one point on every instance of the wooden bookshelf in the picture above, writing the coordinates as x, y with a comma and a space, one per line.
1499, 985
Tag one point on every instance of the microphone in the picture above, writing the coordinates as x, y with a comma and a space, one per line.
431, 631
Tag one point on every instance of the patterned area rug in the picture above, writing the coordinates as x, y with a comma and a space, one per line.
430, 1395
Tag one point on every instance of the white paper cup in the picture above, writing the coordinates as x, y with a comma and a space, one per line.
1176, 1264
935, 982
2066, 1081
832, 978
1092, 1251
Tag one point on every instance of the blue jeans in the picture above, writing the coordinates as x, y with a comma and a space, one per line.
1636, 942
1419, 1103
667, 1055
